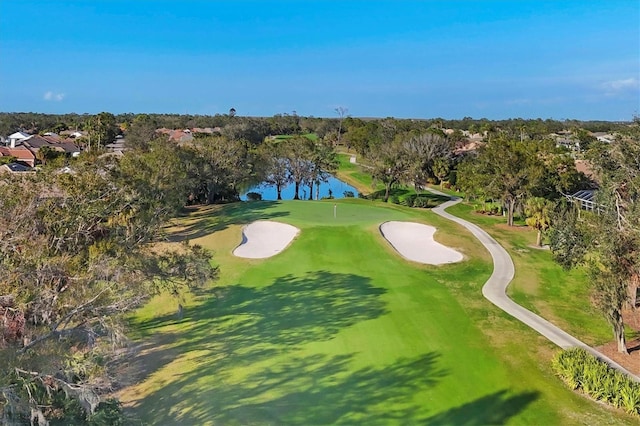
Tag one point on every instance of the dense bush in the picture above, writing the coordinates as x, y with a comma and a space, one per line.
394, 199
254, 196
415, 200
349, 194
581, 370
421, 202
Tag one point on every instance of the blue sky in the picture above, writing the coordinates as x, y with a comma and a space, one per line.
406, 59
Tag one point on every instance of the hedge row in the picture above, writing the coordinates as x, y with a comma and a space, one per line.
413, 200
581, 370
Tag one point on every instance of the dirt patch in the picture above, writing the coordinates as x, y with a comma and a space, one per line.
517, 228
544, 247
632, 361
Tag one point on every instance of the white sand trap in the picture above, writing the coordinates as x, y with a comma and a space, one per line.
264, 239
414, 241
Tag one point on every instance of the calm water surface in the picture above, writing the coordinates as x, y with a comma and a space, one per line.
336, 186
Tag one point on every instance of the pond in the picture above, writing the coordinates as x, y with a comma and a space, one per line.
336, 186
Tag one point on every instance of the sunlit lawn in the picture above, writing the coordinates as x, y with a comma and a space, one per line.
357, 176
338, 329
540, 284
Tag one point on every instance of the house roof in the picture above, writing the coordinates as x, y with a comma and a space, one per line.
36, 142
585, 195
584, 166
19, 135
73, 133
16, 168
207, 130
181, 135
21, 153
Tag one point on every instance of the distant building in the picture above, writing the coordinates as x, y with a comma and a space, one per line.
604, 137
35, 142
181, 136
20, 153
585, 198
15, 168
17, 137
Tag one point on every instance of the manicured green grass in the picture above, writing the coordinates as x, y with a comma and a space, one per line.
311, 136
540, 284
339, 329
356, 175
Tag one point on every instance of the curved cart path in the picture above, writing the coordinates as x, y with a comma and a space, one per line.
495, 289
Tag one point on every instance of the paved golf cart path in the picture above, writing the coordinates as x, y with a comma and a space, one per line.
495, 289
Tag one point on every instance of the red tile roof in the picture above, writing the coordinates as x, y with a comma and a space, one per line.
20, 153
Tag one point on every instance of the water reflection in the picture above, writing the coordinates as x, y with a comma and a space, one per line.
334, 186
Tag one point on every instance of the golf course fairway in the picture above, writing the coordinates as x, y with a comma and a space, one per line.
340, 329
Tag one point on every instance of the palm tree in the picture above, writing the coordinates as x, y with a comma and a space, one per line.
538, 211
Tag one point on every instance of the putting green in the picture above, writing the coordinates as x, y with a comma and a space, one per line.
339, 329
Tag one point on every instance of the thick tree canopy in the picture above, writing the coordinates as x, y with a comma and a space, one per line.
78, 251
607, 241
504, 170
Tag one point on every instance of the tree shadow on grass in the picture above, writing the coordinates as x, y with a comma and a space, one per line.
323, 390
239, 325
393, 192
200, 221
289, 311
315, 389
403, 195
494, 409
242, 359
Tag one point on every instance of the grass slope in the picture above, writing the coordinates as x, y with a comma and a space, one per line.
339, 329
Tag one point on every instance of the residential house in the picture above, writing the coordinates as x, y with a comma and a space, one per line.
584, 166
35, 142
20, 153
206, 130
17, 137
566, 140
473, 137
181, 136
176, 135
585, 199
604, 137
15, 168
466, 147
116, 146
73, 134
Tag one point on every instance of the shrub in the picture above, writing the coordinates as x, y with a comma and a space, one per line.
108, 413
254, 196
581, 370
453, 177
421, 202
394, 199
349, 194
630, 397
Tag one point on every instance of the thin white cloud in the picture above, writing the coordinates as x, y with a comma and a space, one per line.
620, 86
51, 96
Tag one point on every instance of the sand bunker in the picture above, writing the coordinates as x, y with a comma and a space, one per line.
415, 242
264, 239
